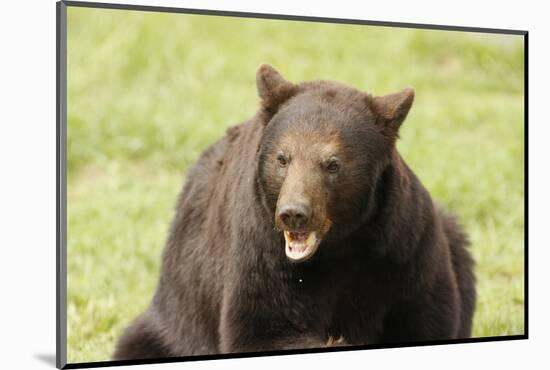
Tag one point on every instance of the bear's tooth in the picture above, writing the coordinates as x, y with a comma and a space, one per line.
311, 239
287, 236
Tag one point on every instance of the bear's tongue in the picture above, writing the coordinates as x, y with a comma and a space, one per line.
300, 245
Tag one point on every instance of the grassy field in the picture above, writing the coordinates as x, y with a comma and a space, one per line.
148, 92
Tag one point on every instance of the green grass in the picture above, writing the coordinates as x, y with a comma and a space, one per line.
148, 92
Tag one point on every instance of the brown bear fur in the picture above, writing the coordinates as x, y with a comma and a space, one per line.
392, 267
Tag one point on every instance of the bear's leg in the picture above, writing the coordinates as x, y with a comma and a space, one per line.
463, 267
434, 316
254, 334
263, 325
141, 340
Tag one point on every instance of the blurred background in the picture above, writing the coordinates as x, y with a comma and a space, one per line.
147, 92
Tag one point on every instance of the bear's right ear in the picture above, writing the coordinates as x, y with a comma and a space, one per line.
273, 89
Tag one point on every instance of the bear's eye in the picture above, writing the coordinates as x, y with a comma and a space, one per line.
332, 166
281, 160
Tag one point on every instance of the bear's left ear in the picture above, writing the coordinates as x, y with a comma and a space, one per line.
273, 89
392, 109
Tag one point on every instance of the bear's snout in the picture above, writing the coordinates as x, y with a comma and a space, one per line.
294, 216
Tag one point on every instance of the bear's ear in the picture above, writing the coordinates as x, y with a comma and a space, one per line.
392, 109
273, 89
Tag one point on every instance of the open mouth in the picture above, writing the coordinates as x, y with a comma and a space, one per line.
300, 246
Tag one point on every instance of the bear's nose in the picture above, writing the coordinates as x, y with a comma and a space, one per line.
294, 216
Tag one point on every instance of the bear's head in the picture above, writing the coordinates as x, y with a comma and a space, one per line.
322, 154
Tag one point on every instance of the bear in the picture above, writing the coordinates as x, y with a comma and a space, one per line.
303, 227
